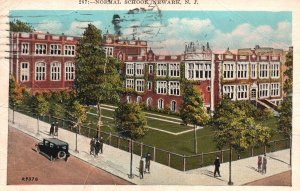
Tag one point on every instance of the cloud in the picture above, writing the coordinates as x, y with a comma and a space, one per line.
247, 36
50, 26
77, 28
178, 31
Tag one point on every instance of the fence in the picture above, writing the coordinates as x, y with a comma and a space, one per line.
165, 157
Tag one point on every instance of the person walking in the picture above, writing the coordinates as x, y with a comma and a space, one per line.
259, 162
52, 129
92, 146
101, 144
56, 129
217, 167
148, 159
97, 147
141, 168
264, 165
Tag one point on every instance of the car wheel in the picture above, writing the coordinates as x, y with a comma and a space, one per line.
61, 155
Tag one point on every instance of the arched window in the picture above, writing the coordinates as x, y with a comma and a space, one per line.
139, 99
160, 104
173, 106
149, 102
40, 71
55, 71
128, 99
69, 71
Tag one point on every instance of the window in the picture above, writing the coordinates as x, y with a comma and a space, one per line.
150, 69
228, 70
229, 91
69, 71
130, 83
174, 88
190, 71
253, 70
161, 69
139, 69
199, 71
149, 86
25, 48
139, 99
109, 51
129, 69
149, 102
161, 87
160, 103
207, 70
242, 92
24, 71
40, 49
263, 90
274, 90
263, 70
173, 106
55, 71
128, 98
69, 50
242, 70
139, 85
274, 70
40, 71
174, 70
55, 49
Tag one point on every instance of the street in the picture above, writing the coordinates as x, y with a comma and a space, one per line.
25, 166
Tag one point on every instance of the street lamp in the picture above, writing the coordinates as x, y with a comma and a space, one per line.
38, 125
195, 136
230, 158
13, 113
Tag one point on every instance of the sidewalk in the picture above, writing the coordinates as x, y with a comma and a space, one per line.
117, 161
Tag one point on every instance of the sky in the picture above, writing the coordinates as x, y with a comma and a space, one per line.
168, 31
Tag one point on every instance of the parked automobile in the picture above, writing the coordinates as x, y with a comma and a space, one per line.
53, 148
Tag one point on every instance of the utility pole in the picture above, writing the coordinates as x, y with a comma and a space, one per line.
131, 156
195, 136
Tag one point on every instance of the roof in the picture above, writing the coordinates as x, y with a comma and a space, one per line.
56, 141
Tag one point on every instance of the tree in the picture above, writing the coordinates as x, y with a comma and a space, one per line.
288, 83
97, 79
234, 129
192, 111
130, 120
77, 114
19, 26
285, 110
40, 107
15, 92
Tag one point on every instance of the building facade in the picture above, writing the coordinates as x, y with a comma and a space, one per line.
252, 74
45, 62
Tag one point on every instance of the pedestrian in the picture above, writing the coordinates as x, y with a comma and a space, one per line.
141, 168
148, 159
217, 167
92, 147
97, 147
101, 144
264, 165
52, 129
259, 162
56, 129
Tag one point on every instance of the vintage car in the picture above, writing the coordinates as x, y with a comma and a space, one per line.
53, 148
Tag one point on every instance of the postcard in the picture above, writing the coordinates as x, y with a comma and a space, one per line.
149, 94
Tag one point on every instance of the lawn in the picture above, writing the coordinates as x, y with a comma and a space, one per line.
154, 123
